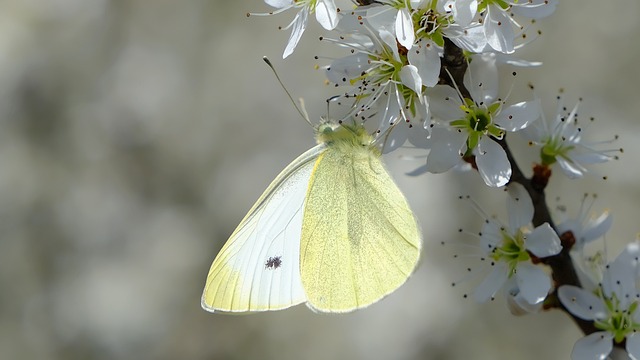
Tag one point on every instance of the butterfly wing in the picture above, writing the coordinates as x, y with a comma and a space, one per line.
360, 240
258, 268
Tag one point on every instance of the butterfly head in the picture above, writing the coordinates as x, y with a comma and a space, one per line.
333, 133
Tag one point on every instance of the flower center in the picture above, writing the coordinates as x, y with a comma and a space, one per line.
512, 251
478, 121
553, 147
620, 322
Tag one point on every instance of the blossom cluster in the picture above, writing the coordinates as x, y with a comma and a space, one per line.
426, 72
396, 77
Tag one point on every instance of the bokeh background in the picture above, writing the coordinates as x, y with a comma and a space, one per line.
134, 136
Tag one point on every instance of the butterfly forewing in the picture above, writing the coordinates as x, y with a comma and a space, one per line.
258, 268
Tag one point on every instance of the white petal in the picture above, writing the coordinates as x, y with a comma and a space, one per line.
472, 38
582, 303
534, 9
445, 150
425, 56
517, 304
389, 109
490, 237
590, 157
571, 169
620, 275
596, 228
596, 346
404, 28
492, 283
633, 346
493, 165
497, 28
519, 207
543, 241
444, 103
381, 16
279, 3
347, 68
464, 11
518, 116
327, 14
533, 282
481, 79
415, 133
299, 25
390, 40
410, 77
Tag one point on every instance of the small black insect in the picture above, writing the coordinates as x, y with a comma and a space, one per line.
273, 262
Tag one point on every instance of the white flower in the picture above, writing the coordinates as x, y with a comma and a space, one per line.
533, 9
472, 123
510, 250
497, 28
561, 141
586, 227
613, 307
386, 86
326, 14
396, 17
463, 11
498, 22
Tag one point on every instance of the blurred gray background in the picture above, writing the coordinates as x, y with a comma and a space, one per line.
134, 136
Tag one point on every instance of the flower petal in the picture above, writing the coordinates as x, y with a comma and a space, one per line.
493, 165
533, 282
381, 17
472, 38
596, 228
410, 77
534, 9
327, 14
463, 11
425, 55
633, 346
518, 116
279, 3
445, 150
404, 28
490, 236
517, 304
571, 169
481, 79
497, 28
299, 25
342, 70
596, 346
445, 102
492, 283
620, 275
519, 207
543, 241
582, 303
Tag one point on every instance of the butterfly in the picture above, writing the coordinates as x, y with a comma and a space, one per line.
332, 230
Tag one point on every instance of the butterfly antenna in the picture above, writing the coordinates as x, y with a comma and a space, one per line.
301, 109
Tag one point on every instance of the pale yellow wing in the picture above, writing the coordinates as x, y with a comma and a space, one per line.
258, 268
360, 240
